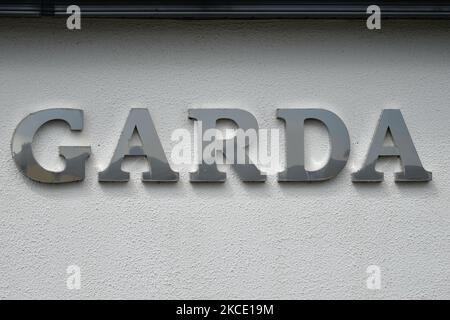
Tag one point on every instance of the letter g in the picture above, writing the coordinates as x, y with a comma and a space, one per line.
75, 155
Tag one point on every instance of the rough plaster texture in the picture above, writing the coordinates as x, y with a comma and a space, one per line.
230, 240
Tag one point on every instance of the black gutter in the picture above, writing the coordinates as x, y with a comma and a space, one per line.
231, 9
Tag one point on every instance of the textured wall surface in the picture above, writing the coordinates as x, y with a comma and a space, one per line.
230, 240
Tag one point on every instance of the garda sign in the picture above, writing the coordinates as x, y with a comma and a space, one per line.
212, 148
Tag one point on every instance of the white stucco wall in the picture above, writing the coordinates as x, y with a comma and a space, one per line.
230, 240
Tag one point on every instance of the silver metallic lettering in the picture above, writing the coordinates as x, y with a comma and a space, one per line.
75, 156
392, 120
247, 171
295, 153
160, 171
